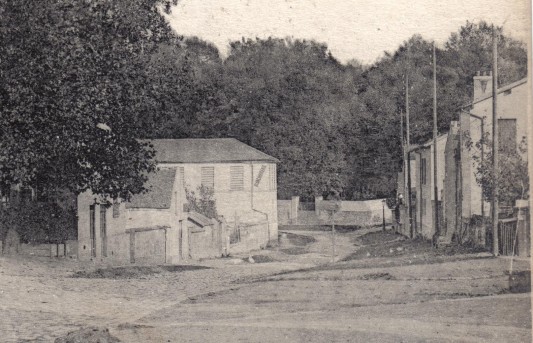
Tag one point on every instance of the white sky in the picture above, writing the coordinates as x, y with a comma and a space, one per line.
351, 28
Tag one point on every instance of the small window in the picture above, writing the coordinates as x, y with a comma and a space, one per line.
423, 171
236, 178
116, 209
208, 177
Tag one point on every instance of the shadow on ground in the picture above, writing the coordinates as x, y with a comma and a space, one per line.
133, 272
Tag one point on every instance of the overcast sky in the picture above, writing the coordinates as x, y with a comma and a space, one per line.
351, 28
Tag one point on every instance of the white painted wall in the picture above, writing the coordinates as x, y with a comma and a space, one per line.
511, 105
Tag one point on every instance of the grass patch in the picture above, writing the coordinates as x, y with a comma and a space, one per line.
389, 244
260, 259
294, 251
132, 272
299, 240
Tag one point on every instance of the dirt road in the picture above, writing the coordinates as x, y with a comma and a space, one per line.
402, 292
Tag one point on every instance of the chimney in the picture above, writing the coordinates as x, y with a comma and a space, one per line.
482, 85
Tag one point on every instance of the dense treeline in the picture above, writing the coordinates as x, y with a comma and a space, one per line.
334, 127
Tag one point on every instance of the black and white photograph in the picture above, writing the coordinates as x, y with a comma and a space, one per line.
265, 171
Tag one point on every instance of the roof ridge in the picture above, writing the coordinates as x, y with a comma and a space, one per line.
498, 91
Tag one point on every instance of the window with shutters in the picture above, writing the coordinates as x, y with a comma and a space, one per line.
182, 175
116, 209
236, 182
208, 177
507, 135
272, 175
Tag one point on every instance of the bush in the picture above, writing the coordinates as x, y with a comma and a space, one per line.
37, 222
204, 203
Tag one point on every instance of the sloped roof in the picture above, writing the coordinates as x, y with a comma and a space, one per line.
199, 219
159, 195
500, 90
206, 150
428, 143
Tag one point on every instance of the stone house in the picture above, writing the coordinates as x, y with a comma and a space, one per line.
424, 184
464, 201
156, 227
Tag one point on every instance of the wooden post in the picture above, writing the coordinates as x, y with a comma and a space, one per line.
408, 143
402, 143
333, 234
132, 246
495, 145
435, 133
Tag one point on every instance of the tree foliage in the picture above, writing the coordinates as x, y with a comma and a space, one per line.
202, 201
84, 80
512, 175
73, 93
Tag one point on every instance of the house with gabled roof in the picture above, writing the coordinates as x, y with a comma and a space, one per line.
157, 226
467, 207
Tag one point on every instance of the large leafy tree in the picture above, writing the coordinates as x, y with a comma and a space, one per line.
470, 50
289, 99
73, 92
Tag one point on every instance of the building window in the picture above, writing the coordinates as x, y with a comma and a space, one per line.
273, 178
208, 177
182, 175
507, 135
423, 171
236, 182
116, 209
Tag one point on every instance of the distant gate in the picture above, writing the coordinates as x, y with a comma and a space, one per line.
507, 237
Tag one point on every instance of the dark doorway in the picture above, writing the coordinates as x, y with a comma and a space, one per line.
92, 230
103, 229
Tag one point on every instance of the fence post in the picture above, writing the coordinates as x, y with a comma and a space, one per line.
522, 228
317, 206
132, 246
295, 203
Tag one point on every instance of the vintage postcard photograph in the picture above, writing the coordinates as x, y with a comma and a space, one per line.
265, 171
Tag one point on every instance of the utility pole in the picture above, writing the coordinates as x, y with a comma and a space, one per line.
408, 143
495, 145
404, 167
435, 133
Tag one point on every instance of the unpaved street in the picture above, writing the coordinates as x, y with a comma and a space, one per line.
393, 291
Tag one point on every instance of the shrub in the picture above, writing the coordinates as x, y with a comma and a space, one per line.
38, 222
204, 204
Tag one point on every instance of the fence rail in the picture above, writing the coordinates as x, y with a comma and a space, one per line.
507, 237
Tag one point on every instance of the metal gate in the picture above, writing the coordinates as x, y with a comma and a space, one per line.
507, 237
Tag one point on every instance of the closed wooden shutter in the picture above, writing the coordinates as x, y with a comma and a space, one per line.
236, 178
182, 175
208, 177
507, 135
